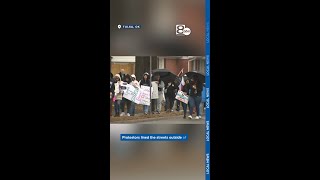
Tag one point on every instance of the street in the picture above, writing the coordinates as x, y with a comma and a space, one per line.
174, 120
163, 120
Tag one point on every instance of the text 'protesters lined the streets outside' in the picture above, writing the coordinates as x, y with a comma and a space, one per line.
153, 137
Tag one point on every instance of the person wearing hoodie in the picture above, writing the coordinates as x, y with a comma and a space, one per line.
117, 94
135, 84
124, 101
145, 81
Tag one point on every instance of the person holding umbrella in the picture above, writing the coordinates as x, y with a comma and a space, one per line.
195, 94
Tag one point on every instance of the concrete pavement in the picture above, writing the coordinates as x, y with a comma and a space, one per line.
163, 120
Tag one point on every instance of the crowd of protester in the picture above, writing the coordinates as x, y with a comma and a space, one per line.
192, 87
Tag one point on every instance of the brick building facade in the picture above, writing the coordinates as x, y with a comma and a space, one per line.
139, 64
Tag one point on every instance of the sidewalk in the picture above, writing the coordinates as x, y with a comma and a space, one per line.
142, 117
164, 116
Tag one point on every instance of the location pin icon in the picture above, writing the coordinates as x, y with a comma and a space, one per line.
119, 26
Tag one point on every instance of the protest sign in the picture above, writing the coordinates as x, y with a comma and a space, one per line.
131, 93
182, 97
144, 96
137, 95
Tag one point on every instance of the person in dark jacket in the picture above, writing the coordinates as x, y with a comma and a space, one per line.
145, 81
170, 95
122, 74
195, 93
124, 101
185, 89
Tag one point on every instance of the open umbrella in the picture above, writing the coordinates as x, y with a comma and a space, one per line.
199, 74
165, 75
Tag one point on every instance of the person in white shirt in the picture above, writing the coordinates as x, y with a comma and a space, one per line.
160, 93
135, 84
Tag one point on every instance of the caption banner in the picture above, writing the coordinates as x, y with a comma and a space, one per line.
153, 137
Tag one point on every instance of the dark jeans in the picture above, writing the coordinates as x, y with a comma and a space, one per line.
124, 102
178, 104
145, 109
110, 107
166, 105
169, 103
132, 109
194, 101
184, 106
117, 106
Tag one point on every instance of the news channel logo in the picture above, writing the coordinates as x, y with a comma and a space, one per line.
182, 30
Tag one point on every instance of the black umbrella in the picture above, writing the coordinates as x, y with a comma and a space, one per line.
165, 75
199, 74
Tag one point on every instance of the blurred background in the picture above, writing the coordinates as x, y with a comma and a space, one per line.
157, 160
158, 20
157, 38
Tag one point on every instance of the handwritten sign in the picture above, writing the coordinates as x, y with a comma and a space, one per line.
137, 95
144, 96
182, 97
131, 93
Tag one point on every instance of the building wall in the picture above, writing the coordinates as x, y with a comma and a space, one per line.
182, 64
128, 67
143, 65
123, 62
197, 65
124, 59
175, 65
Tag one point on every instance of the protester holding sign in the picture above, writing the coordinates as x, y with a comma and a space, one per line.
185, 89
124, 101
135, 84
117, 94
145, 81
196, 88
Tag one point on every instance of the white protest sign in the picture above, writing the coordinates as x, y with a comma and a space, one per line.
131, 93
182, 97
143, 96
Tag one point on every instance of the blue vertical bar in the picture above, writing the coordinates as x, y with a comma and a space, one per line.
207, 130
